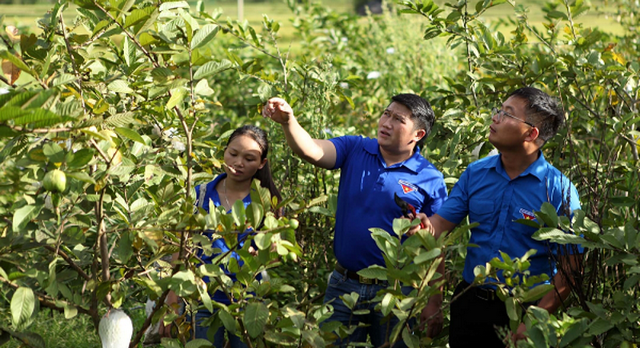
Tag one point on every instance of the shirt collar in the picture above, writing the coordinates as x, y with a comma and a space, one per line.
412, 163
538, 168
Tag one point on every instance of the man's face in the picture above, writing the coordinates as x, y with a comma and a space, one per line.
507, 132
396, 131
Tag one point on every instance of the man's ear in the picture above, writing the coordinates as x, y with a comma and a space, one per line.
420, 133
534, 134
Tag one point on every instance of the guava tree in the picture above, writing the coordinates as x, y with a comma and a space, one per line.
108, 122
595, 75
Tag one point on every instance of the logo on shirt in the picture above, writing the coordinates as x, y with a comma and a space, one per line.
407, 186
526, 214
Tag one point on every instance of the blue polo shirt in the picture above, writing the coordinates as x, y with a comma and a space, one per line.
365, 197
212, 195
487, 194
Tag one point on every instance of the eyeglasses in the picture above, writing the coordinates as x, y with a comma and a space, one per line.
501, 113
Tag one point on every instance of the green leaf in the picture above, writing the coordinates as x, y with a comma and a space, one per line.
170, 343
35, 340
103, 24
575, 331
82, 176
11, 112
177, 96
198, 343
388, 303
125, 249
529, 222
374, 272
204, 295
557, 14
537, 293
54, 152
211, 68
39, 117
23, 307
138, 15
202, 88
130, 134
550, 211
255, 213
23, 215
238, 212
255, 318
427, 255
120, 86
227, 320
631, 282
147, 39
411, 340
80, 158
63, 79
263, 240
401, 226
204, 35
16, 61
70, 311
557, 236
173, 4
600, 326
512, 311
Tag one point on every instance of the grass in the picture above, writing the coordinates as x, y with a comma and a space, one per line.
77, 332
599, 16
59, 332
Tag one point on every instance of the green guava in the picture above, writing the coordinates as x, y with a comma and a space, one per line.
55, 181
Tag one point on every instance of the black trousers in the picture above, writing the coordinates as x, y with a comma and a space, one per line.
474, 318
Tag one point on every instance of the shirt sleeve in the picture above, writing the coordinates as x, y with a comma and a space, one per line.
436, 197
344, 145
456, 207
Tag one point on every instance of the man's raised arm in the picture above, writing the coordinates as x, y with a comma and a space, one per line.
321, 153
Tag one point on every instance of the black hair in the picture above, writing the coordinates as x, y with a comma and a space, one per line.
263, 174
421, 112
542, 110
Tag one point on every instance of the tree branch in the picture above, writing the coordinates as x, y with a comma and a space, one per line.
69, 261
48, 301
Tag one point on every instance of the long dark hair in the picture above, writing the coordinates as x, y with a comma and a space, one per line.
264, 174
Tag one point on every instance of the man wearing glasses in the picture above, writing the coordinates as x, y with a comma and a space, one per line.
495, 192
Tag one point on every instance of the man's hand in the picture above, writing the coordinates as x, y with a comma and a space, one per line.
432, 316
278, 110
165, 331
427, 225
424, 220
518, 335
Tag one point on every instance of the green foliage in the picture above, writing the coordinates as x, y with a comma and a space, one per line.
134, 101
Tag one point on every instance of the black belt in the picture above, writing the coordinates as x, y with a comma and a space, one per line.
355, 276
488, 294
481, 293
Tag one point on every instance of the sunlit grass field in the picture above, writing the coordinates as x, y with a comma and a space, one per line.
26, 16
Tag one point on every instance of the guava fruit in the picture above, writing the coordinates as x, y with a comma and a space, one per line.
55, 181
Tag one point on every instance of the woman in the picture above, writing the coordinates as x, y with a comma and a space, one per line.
245, 158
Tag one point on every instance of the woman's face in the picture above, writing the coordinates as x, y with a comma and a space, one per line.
242, 157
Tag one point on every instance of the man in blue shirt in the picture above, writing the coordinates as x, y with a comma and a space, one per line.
495, 192
373, 170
